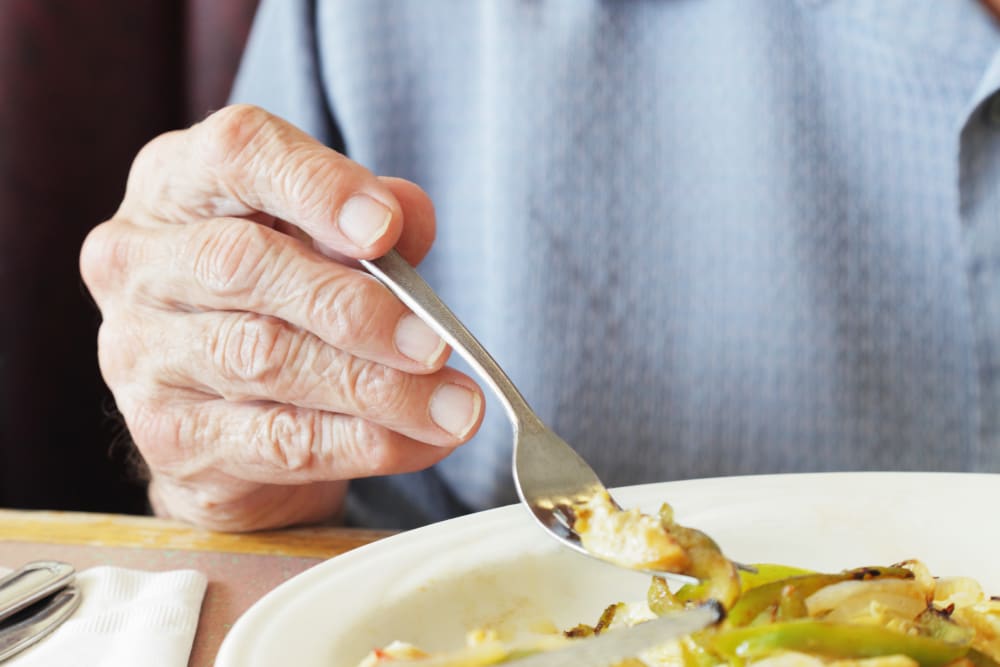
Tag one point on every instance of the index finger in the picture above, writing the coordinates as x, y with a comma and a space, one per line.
243, 160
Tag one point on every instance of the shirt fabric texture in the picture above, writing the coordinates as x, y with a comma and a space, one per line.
704, 237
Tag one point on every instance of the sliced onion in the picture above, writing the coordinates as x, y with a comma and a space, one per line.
959, 591
903, 597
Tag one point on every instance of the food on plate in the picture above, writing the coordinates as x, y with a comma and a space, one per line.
776, 615
628, 537
644, 542
897, 616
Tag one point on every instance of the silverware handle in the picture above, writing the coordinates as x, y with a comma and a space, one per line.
404, 281
19, 633
31, 583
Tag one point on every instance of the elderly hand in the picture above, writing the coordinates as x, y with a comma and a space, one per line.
256, 370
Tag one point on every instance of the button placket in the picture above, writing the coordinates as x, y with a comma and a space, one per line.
979, 192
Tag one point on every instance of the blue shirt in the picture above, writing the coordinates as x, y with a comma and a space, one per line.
705, 237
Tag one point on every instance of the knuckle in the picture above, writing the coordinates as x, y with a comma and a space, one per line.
230, 257
157, 432
151, 159
289, 437
312, 174
375, 389
152, 153
352, 309
366, 446
254, 349
231, 135
172, 440
106, 255
115, 351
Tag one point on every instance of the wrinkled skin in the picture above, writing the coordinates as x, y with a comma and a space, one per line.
256, 367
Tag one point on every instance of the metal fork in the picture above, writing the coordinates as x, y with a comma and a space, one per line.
550, 477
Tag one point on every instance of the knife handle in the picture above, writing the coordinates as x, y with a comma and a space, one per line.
20, 633
31, 583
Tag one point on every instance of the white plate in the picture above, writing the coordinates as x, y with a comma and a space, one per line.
429, 586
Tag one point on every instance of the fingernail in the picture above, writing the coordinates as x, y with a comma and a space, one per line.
417, 340
455, 409
363, 220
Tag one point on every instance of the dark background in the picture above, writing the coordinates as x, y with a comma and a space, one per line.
83, 85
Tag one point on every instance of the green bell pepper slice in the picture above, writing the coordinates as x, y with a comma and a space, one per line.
836, 640
771, 596
765, 573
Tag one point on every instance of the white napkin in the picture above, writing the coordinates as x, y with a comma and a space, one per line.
127, 618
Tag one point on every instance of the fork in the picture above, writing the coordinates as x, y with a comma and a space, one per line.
550, 476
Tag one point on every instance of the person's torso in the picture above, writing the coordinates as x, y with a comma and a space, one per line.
704, 238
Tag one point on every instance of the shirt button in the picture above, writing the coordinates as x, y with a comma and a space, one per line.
993, 110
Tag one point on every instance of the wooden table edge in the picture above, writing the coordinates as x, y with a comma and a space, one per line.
112, 530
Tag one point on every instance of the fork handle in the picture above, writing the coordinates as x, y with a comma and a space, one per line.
403, 280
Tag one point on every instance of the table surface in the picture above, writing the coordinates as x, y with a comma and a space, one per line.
240, 568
